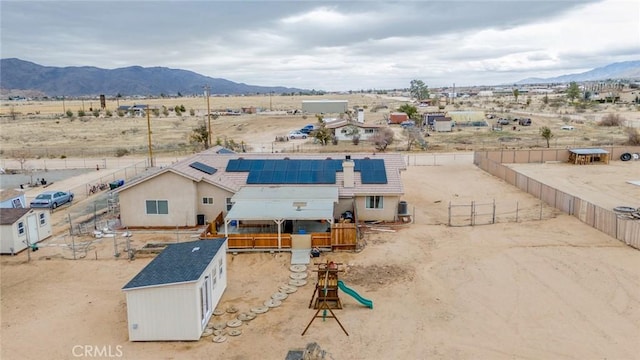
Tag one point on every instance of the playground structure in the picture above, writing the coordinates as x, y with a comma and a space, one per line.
325, 294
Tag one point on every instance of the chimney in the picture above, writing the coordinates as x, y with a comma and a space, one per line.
348, 172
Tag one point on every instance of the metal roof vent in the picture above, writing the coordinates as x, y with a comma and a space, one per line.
195, 249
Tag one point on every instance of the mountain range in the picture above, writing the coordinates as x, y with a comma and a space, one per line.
17, 74
615, 71
24, 77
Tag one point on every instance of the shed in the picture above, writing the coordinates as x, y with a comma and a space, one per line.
397, 117
442, 124
588, 156
12, 199
19, 224
173, 297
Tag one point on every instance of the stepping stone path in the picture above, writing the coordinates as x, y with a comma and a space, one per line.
272, 303
298, 268
279, 296
234, 323
260, 309
246, 316
297, 282
235, 332
298, 275
219, 339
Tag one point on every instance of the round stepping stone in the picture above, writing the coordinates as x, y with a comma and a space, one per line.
288, 289
218, 332
272, 303
207, 332
298, 276
218, 312
234, 323
279, 296
297, 282
235, 332
246, 316
260, 309
232, 309
298, 268
219, 325
219, 339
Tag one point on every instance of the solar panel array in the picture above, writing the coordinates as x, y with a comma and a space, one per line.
203, 167
297, 171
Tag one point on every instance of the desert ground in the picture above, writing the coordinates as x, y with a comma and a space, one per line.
536, 289
545, 287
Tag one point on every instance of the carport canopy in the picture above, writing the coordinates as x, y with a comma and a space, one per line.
283, 203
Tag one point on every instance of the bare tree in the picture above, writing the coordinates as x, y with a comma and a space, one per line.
383, 139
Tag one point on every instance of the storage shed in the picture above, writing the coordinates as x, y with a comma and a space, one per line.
588, 156
173, 297
19, 224
12, 199
397, 117
443, 124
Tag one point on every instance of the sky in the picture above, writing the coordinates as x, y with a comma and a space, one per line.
333, 46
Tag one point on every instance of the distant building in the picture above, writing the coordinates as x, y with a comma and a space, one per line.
345, 130
397, 117
21, 226
325, 106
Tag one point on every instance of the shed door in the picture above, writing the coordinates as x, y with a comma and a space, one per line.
32, 229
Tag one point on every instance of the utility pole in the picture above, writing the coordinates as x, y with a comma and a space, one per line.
206, 89
149, 135
64, 111
270, 103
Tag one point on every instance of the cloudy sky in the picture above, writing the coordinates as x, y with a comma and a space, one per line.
340, 45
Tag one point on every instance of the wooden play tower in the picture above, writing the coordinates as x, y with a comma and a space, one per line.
326, 286
325, 293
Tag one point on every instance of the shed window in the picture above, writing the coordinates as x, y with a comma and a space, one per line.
17, 203
43, 219
21, 228
220, 267
157, 207
374, 202
207, 200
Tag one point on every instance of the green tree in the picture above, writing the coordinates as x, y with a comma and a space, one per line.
321, 133
419, 90
200, 135
410, 110
69, 113
545, 99
546, 133
573, 91
516, 93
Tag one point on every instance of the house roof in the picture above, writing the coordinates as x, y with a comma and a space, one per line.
233, 181
588, 151
10, 216
177, 263
342, 123
294, 203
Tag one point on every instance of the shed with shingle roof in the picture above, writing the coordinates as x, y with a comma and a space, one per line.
20, 227
173, 297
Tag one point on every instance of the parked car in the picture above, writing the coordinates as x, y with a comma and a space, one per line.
407, 123
52, 199
307, 129
524, 121
503, 121
567, 127
296, 134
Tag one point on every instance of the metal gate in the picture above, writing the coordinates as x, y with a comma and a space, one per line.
472, 214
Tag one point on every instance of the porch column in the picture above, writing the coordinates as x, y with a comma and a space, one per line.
279, 222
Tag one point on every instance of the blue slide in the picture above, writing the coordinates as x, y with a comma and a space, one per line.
366, 302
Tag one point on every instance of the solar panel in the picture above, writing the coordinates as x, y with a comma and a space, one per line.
203, 167
225, 151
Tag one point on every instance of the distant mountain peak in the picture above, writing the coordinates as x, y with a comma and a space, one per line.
614, 71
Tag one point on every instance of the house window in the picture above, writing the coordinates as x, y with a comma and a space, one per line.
157, 207
207, 200
369, 131
21, 228
373, 202
343, 131
43, 219
229, 204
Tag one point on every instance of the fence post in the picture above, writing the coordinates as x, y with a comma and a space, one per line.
449, 212
472, 213
493, 221
541, 202
517, 209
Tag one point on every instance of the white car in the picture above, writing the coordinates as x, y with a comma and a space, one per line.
297, 135
567, 127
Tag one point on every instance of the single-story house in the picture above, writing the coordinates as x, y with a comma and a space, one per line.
346, 130
196, 190
173, 297
12, 199
20, 226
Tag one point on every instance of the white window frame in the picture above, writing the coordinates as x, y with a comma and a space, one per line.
369, 131
157, 211
376, 200
205, 301
42, 219
221, 268
207, 200
21, 229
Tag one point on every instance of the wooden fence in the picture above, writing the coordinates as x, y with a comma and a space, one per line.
607, 221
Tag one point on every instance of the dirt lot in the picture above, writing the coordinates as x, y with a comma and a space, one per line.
540, 289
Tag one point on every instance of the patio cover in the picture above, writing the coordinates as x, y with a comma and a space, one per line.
284, 202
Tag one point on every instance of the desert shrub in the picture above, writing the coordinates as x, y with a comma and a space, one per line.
192, 112
355, 139
81, 113
69, 113
96, 113
108, 113
120, 113
120, 152
611, 120
633, 136
63, 156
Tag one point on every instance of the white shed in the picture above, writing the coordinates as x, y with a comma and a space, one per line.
173, 297
12, 199
18, 225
